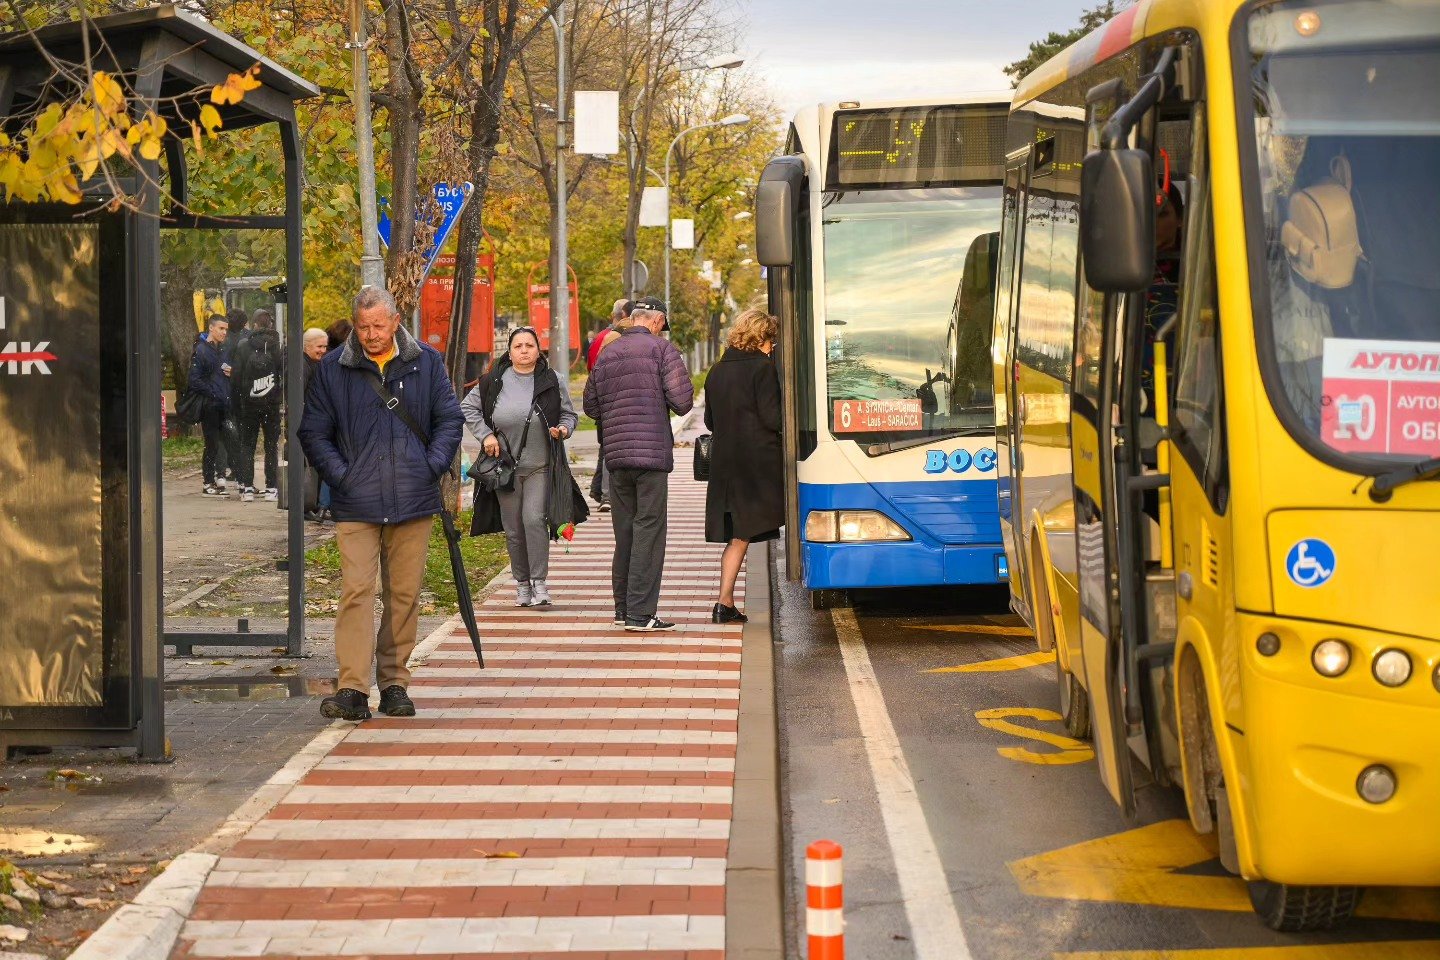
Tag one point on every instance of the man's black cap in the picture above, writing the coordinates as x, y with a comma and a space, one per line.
655, 304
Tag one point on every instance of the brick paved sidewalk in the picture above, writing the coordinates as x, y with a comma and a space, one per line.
572, 800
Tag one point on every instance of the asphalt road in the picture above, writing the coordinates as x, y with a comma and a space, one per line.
984, 845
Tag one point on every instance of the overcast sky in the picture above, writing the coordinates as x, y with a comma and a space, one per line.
812, 51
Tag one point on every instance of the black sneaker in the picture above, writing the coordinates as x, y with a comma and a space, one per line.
395, 702
346, 704
619, 618
724, 614
647, 624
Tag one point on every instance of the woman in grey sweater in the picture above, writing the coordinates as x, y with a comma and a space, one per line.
511, 411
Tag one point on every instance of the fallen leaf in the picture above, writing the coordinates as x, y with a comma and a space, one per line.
278, 650
136, 871
280, 670
219, 663
503, 855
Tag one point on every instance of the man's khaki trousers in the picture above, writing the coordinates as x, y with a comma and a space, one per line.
397, 552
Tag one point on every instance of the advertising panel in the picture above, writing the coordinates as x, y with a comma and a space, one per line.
51, 626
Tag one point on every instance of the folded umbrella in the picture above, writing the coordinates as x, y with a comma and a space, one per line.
463, 599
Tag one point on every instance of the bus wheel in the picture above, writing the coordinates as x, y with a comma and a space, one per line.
829, 599
1074, 703
1295, 909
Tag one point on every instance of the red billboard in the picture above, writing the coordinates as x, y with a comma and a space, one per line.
438, 295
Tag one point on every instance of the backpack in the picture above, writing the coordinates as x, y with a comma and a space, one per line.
261, 371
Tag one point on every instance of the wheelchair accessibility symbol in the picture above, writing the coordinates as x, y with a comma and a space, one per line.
1310, 563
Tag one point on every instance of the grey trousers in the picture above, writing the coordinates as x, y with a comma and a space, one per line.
522, 513
639, 503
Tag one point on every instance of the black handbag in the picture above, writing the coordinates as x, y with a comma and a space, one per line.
500, 475
190, 408
702, 457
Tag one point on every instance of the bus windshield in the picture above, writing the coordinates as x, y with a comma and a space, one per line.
909, 284
1348, 153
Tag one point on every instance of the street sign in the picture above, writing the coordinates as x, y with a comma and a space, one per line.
451, 200
654, 207
682, 234
597, 122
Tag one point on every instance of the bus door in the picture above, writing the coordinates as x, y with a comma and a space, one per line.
1117, 230
1008, 401
781, 246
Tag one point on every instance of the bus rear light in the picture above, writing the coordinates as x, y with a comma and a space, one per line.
1392, 667
1376, 783
1331, 658
852, 526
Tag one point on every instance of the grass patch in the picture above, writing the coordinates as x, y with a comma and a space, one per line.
697, 380
179, 453
484, 557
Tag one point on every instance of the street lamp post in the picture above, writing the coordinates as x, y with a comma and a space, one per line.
559, 269
372, 265
733, 120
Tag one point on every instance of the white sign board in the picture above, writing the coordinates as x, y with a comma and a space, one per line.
682, 234
597, 122
654, 207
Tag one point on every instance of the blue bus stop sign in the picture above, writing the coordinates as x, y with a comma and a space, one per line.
451, 200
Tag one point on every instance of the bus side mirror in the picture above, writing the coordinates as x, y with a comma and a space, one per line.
777, 202
1117, 220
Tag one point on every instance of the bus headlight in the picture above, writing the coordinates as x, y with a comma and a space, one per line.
852, 526
1392, 667
1331, 658
820, 526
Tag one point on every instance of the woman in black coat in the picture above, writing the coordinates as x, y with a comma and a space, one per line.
745, 502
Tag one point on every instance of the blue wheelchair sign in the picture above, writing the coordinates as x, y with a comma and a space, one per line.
1310, 563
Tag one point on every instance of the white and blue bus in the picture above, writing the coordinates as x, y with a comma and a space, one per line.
878, 226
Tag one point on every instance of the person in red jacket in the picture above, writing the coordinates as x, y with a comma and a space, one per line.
640, 381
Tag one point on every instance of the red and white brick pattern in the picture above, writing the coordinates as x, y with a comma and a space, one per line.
569, 802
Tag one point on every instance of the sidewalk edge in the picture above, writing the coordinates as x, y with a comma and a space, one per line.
148, 926
754, 928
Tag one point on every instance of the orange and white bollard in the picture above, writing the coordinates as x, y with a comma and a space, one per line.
825, 900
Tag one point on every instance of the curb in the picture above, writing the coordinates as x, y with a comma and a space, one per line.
147, 927
754, 896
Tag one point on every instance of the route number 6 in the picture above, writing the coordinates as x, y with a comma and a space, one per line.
845, 416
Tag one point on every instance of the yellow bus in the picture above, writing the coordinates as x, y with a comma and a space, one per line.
1217, 385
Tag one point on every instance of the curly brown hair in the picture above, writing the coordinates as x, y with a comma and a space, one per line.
752, 330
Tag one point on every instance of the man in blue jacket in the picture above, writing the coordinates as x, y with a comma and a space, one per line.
640, 380
384, 483
210, 377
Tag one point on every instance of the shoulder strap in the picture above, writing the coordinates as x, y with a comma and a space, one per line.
393, 404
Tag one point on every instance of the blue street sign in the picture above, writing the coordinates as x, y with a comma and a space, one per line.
451, 200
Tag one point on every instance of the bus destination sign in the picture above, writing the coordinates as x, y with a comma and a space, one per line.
1381, 396
878, 416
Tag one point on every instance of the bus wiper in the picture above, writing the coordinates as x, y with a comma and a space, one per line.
1385, 483
880, 449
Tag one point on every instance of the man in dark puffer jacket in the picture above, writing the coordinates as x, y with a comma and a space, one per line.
385, 492
639, 380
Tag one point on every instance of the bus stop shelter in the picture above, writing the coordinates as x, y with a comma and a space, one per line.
82, 635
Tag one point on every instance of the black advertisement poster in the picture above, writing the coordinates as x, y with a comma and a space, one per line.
51, 628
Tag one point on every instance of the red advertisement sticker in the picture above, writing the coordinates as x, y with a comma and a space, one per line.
1381, 396
870, 416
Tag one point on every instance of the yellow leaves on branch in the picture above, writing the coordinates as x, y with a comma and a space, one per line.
65, 144
235, 87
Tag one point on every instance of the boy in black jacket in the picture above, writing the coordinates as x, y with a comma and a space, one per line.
257, 403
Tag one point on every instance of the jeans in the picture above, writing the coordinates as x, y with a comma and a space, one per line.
252, 420
639, 505
527, 539
219, 438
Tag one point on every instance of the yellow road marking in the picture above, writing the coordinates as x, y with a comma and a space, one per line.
1400, 950
991, 629
1002, 664
1137, 866
1071, 750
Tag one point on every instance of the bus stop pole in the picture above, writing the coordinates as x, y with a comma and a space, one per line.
147, 569
294, 388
